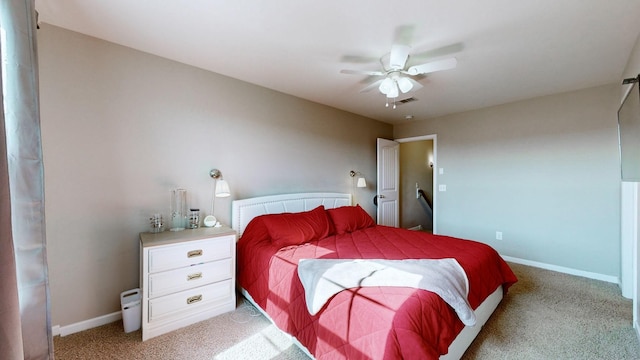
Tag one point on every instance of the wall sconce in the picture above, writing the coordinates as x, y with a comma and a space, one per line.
220, 189
361, 182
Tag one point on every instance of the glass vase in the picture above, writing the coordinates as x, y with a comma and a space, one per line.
178, 209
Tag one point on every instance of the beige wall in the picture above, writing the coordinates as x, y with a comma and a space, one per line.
545, 172
633, 64
121, 128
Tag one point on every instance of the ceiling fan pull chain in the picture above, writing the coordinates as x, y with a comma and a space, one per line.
394, 103
387, 104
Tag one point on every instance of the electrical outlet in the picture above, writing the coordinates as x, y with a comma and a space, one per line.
498, 235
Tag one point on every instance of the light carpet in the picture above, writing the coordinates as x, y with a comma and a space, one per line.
546, 315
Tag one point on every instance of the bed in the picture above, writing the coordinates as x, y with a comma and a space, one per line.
281, 235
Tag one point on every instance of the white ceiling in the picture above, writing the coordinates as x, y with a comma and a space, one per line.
507, 50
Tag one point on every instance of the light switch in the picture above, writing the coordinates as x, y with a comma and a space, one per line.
442, 187
441, 171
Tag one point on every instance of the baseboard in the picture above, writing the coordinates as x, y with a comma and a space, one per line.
86, 324
566, 270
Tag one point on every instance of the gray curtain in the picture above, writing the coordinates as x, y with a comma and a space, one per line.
25, 325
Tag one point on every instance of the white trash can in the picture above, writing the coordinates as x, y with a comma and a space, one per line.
131, 309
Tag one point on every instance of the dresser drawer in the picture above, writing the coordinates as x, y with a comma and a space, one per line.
193, 300
172, 281
190, 253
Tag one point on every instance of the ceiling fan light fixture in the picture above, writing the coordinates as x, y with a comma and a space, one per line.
386, 86
405, 84
393, 93
396, 76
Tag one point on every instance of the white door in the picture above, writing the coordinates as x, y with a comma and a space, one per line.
388, 183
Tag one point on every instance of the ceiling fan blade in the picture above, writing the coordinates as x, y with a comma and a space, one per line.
357, 59
398, 56
432, 66
403, 35
439, 52
362, 72
373, 85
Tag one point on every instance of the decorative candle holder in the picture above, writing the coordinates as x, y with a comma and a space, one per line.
194, 219
156, 223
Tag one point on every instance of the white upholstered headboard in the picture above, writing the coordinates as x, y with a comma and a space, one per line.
242, 211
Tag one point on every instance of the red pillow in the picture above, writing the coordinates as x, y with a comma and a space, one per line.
255, 231
350, 218
297, 228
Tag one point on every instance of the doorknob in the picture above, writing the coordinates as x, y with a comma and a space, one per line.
381, 196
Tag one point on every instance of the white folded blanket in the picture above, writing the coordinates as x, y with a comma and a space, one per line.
323, 278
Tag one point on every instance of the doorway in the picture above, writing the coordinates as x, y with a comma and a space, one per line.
417, 167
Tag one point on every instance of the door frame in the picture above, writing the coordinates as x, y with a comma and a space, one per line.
433, 137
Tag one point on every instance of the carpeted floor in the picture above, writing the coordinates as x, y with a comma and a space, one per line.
546, 315
550, 315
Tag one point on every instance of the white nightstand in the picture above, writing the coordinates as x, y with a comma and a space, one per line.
186, 276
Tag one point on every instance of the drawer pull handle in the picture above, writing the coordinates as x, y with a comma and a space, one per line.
194, 276
194, 299
194, 253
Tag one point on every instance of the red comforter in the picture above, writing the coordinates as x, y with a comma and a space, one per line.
368, 322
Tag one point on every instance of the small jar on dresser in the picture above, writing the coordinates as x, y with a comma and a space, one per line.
186, 276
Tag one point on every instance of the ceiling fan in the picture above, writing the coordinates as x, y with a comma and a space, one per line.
397, 75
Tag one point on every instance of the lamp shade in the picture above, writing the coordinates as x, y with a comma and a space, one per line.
361, 182
222, 189
404, 84
386, 86
393, 93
